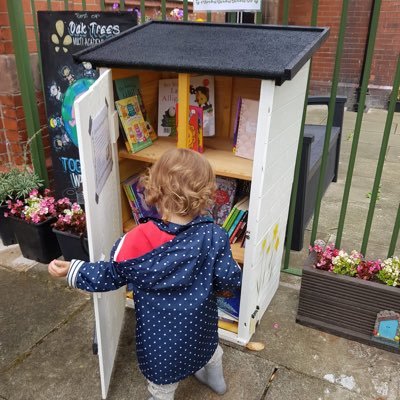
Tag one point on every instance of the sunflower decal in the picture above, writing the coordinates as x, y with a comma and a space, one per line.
59, 39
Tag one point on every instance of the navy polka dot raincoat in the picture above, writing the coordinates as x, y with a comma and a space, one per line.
174, 291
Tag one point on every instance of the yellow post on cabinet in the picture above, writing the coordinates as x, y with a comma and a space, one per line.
183, 109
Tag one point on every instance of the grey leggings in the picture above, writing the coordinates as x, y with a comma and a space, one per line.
166, 392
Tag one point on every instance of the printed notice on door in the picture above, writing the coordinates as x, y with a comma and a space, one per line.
227, 5
101, 147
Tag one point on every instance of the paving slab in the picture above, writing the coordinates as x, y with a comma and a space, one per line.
29, 311
290, 385
364, 370
246, 374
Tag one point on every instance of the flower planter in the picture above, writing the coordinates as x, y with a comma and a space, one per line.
6, 228
37, 241
72, 246
343, 305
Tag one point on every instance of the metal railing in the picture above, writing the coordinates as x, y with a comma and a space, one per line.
16, 16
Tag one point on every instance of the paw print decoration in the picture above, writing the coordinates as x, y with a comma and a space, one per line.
59, 39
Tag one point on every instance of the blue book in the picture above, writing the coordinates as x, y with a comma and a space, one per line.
228, 303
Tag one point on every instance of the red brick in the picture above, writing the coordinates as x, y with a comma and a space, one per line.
8, 48
4, 21
10, 124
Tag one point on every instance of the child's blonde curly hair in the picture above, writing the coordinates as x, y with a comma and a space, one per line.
181, 182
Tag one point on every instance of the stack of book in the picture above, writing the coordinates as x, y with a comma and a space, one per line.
228, 303
236, 222
137, 202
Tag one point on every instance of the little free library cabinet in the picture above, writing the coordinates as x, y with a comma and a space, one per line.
269, 64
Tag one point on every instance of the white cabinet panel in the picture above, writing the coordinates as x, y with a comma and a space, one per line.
97, 137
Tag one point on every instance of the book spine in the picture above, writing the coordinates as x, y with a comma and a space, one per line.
227, 219
235, 222
232, 219
236, 231
240, 232
131, 201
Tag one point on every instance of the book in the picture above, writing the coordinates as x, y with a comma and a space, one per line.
232, 219
231, 326
201, 95
241, 231
195, 131
247, 128
135, 194
128, 87
239, 210
228, 303
224, 198
240, 216
133, 123
236, 125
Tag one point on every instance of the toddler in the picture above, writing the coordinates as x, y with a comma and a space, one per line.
175, 266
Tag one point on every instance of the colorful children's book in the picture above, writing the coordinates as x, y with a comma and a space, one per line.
247, 128
239, 210
228, 303
201, 95
134, 125
224, 198
195, 131
128, 87
135, 195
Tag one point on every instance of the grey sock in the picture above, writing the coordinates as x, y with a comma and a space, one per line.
213, 377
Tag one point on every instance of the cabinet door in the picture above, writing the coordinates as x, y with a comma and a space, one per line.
278, 128
97, 124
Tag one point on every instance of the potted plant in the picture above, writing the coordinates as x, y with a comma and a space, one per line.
14, 184
70, 229
344, 294
32, 220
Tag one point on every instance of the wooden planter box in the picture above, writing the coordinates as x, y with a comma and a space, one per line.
344, 306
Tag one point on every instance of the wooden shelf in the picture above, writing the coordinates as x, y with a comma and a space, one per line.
237, 251
218, 152
129, 225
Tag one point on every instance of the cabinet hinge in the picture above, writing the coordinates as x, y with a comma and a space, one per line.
255, 312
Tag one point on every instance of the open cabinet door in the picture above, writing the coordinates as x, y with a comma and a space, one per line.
97, 128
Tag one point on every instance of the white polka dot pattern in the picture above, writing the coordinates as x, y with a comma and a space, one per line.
174, 285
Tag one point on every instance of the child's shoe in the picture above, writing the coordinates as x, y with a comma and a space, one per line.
213, 377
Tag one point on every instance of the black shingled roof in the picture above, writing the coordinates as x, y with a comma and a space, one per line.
256, 51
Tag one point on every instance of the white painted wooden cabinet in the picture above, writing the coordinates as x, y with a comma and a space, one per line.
281, 101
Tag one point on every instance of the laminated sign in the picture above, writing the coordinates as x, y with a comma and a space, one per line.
227, 5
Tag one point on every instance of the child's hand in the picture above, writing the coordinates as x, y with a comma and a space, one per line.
58, 268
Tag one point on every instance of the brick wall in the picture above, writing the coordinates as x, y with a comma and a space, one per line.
387, 47
13, 135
